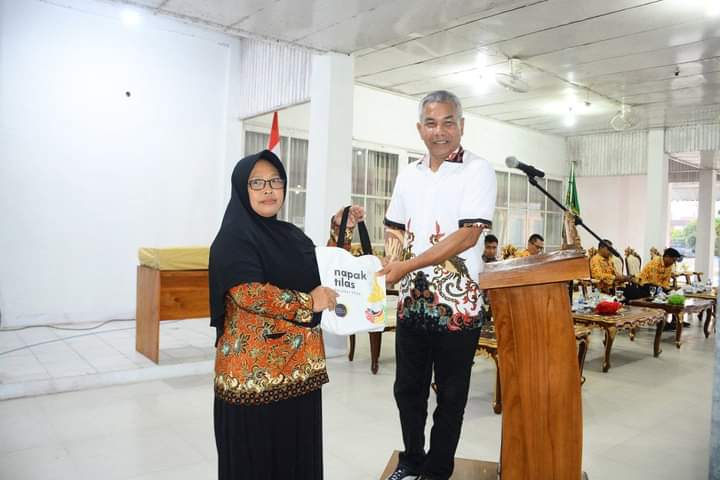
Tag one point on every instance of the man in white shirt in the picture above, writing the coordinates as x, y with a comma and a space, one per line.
440, 206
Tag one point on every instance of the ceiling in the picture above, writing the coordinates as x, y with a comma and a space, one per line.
659, 56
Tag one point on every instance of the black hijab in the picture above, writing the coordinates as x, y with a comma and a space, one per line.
252, 248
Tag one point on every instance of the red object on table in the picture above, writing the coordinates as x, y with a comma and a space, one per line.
608, 308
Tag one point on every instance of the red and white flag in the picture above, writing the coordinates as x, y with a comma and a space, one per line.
274, 141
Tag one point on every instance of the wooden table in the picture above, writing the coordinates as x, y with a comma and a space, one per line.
487, 347
688, 277
710, 315
628, 319
692, 305
167, 295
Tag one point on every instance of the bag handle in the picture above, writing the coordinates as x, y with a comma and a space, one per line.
362, 230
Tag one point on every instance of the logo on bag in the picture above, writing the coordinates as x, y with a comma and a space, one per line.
340, 310
343, 278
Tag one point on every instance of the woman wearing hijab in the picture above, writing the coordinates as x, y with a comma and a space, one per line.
266, 303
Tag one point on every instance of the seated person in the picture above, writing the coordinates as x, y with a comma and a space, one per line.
603, 270
659, 270
491, 245
535, 246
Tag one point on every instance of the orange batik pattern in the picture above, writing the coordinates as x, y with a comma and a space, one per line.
602, 269
269, 351
656, 273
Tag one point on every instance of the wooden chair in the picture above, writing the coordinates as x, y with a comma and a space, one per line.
376, 337
487, 348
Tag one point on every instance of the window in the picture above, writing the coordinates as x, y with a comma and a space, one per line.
293, 155
373, 180
414, 157
522, 210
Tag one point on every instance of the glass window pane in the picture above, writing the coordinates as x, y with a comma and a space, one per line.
358, 171
518, 191
499, 227
536, 222
284, 154
517, 234
537, 198
382, 171
255, 142
554, 229
374, 215
502, 189
296, 208
413, 158
298, 163
555, 187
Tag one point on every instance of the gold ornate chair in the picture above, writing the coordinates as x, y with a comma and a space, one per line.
508, 251
633, 262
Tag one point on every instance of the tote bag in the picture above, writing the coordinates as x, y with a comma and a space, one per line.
361, 303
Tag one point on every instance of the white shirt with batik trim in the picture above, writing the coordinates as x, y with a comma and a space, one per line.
429, 206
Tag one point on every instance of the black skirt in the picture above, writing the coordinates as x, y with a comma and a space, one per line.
280, 440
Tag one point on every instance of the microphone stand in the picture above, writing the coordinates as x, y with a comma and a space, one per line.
578, 221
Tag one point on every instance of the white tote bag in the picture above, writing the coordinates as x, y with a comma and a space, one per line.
361, 302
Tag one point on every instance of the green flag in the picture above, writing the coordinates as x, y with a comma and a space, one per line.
571, 197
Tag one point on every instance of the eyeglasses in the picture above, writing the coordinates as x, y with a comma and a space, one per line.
259, 183
539, 247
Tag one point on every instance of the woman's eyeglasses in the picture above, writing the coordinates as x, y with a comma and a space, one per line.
259, 183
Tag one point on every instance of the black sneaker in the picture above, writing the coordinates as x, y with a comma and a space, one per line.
402, 473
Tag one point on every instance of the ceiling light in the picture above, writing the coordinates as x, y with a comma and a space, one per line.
481, 61
129, 17
570, 119
712, 8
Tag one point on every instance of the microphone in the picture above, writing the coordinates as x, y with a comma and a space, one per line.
530, 171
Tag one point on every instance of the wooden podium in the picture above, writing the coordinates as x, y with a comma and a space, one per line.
539, 373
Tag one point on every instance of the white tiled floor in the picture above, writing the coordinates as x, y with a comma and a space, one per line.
647, 418
47, 360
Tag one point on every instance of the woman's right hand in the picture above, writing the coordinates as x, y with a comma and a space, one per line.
323, 299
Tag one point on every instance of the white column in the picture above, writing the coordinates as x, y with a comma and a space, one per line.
235, 132
705, 244
656, 200
329, 153
330, 142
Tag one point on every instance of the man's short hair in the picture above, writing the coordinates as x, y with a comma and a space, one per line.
490, 238
535, 237
440, 96
604, 243
672, 253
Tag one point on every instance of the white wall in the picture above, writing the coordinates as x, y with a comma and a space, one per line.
614, 207
389, 120
88, 175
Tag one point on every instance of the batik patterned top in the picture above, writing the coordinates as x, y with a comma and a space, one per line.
429, 206
272, 347
656, 273
603, 270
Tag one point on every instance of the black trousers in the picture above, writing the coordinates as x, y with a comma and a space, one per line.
450, 355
